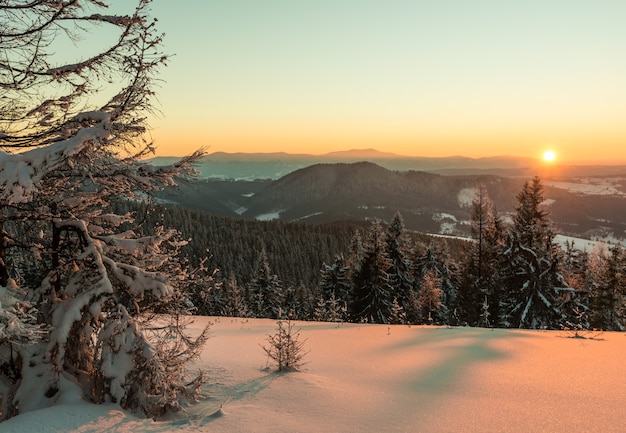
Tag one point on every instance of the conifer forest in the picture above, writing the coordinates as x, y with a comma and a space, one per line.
510, 274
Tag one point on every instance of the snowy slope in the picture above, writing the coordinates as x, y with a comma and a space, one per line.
375, 378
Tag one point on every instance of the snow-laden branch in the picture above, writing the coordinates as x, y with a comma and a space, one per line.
136, 246
139, 281
20, 173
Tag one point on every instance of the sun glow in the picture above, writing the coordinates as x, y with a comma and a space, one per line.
549, 156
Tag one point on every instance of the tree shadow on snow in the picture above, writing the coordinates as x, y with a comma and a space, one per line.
459, 348
206, 411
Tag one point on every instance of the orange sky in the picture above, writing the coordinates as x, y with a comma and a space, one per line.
441, 78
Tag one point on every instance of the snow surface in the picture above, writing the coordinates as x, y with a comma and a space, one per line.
591, 186
374, 378
269, 216
311, 215
586, 244
466, 196
448, 223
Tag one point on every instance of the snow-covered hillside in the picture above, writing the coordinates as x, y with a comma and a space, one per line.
374, 378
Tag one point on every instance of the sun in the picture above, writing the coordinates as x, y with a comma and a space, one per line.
549, 155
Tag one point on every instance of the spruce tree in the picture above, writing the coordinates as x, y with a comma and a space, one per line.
372, 292
398, 246
235, 300
481, 277
576, 270
429, 297
608, 297
265, 290
534, 285
335, 289
437, 261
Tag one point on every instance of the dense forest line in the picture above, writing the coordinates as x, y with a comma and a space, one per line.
510, 275
295, 251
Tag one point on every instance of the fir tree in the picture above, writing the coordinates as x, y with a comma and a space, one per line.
265, 290
436, 260
576, 270
535, 287
372, 291
480, 276
400, 272
608, 298
235, 305
429, 297
335, 288
356, 251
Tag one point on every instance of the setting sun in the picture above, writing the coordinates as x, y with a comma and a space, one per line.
549, 155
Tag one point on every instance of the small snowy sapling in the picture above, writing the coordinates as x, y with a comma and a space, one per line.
285, 348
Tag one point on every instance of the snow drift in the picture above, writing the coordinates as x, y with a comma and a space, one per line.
373, 378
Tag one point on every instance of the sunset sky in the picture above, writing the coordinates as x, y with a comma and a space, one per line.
423, 78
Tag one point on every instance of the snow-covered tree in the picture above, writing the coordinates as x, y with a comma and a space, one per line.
71, 138
265, 290
398, 246
536, 290
372, 292
429, 297
356, 252
577, 273
437, 261
608, 297
335, 290
236, 303
480, 278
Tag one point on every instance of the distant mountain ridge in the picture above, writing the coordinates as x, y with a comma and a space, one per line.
362, 153
224, 165
250, 166
429, 202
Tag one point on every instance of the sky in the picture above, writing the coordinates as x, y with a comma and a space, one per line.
421, 78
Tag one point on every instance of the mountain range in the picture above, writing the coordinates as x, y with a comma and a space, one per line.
250, 166
588, 206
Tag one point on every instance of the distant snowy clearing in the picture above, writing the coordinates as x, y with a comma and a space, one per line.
269, 216
591, 186
467, 196
374, 378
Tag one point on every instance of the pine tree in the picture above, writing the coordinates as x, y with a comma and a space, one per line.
577, 274
398, 316
236, 304
398, 245
429, 297
372, 298
356, 251
480, 276
320, 311
608, 298
437, 260
335, 288
484, 320
535, 287
265, 290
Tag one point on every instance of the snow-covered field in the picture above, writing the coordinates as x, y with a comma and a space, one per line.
591, 186
378, 378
